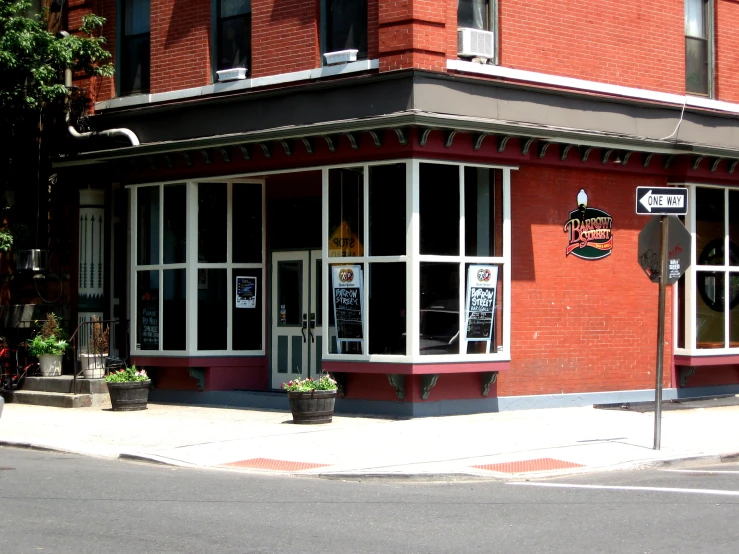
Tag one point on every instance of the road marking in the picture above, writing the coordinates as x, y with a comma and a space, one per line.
627, 488
706, 471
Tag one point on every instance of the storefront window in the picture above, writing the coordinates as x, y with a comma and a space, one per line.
148, 226
439, 209
439, 318
716, 274
483, 210
387, 224
175, 224
387, 295
346, 212
229, 311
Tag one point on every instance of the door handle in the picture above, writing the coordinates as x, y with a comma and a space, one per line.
312, 326
304, 327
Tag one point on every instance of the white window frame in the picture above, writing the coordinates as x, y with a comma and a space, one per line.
191, 267
413, 259
691, 297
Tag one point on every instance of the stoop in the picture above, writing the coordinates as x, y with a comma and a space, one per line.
57, 392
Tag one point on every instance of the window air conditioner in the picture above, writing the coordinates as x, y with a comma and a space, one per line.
472, 43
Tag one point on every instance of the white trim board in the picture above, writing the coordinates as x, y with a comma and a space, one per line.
591, 86
243, 84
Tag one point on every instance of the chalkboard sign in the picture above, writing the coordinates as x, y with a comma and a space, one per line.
347, 300
482, 281
480, 314
149, 327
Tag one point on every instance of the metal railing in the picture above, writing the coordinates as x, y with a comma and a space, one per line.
99, 346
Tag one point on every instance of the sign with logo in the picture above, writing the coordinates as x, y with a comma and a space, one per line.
679, 249
661, 201
347, 285
590, 231
344, 243
149, 326
482, 281
246, 292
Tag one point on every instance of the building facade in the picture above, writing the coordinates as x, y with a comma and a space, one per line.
432, 200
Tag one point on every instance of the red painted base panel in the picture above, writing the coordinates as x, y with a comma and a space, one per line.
523, 466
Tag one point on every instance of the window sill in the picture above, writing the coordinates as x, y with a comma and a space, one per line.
707, 358
243, 84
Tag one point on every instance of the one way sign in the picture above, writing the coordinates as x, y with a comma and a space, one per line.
661, 201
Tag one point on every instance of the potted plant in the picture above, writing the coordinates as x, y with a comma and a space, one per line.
93, 358
312, 400
48, 346
128, 389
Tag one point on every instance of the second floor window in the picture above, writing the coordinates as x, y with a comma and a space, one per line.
698, 49
473, 14
233, 34
345, 26
135, 49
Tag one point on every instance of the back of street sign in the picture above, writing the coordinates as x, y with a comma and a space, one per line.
679, 248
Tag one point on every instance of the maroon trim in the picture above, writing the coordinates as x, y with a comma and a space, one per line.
706, 360
209, 361
414, 369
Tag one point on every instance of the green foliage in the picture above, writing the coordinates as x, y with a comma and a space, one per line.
32, 59
49, 339
6, 241
324, 382
40, 346
127, 375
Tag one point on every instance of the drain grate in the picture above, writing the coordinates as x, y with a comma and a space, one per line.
274, 465
523, 466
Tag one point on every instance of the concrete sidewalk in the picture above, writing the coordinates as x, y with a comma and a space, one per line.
506, 445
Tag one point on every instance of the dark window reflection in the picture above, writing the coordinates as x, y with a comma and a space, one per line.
387, 309
346, 212
175, 309
247, 223
439, 206
439, 289
247, 322
148, 318
212, 309
147, 230
175, 224
387, 225
346, 26
212, 212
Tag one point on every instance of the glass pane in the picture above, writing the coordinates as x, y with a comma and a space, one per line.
709, 222
496, 327
136, 17
147, 229
351, 311
439, 308
387, 226
681, 312
212, 210
346, 25
175, 310
147, 310
212, 309
175, 224
439, 206
483, 212
346, 212
235, 7
734, 227
290, 293
695, 13
696, 65
734, 310
387, 309
135, 64
247, 223
247, 313
710, 309
472, 14
234, 42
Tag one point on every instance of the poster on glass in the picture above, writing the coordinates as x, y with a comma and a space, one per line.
480, 305
347, 300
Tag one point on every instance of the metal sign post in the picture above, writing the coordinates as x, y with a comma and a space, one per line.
674, 259
660, 332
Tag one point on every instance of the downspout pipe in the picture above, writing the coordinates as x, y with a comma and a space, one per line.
128, 133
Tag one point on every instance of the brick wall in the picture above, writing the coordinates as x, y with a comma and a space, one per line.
727, 50
180, 44
626, 42
579, 325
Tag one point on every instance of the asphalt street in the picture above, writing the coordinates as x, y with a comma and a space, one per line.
51, 502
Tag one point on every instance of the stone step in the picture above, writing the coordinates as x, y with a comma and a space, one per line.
63, 384
54, 399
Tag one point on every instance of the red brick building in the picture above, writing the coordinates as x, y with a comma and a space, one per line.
474, 163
